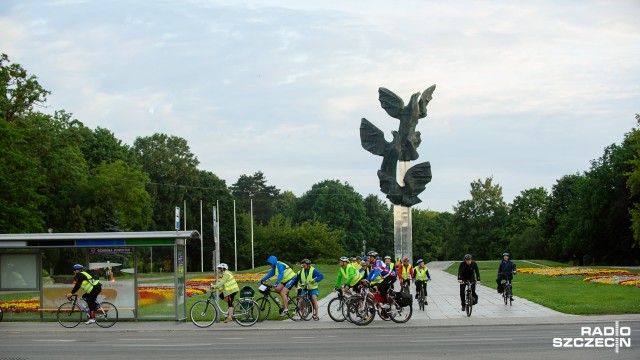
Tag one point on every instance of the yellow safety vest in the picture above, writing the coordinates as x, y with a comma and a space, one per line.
288, 272
421, 274
406, 272
230, 286
345, 274
87, 285
306, 278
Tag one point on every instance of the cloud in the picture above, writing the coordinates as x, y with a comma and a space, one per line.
525, 92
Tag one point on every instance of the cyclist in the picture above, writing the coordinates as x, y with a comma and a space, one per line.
468, 270
391, 265
405, 272
420, 277
355, 263
91, 287
506, 270
348, 275
310, 276
229, 288
285, 278
386, 272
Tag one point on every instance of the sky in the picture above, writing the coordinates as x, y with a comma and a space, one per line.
526, 91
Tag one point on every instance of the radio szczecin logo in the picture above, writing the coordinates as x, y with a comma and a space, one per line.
613, 337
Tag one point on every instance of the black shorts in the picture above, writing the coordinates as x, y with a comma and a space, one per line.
228, 299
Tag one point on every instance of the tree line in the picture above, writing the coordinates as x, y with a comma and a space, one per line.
58, 174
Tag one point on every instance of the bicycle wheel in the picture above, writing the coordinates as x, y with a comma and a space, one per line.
265, 307
246, 312
1, 314
469, 303
384, 314
335, 310
505, 296
293, 309
360, 311
305, 308
400, 314
203, 313
106, 314
510, 296
69, 314
421, 300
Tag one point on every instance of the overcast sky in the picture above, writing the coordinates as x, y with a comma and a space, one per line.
527, 91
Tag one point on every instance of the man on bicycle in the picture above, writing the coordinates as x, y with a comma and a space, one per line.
348, 275
91, 287
386, 272
229, 288
405, 272
420, 277
506, 270
285, 278
355, 263
468, 270
311, 277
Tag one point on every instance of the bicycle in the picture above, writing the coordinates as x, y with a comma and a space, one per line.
71, 313
1, 313
265, 305
337, 307
422, 295
246, 311
360, 308
468, 298
406, 286
305, 306
507, 292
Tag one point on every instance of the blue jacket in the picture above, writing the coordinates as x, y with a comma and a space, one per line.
273, 261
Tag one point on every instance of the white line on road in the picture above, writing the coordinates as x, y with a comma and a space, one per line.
141, 339
231, 338
61, 340
156, 345
303, 337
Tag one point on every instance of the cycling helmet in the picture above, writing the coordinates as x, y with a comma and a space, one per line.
223, 266
506, 254
305, 261
387, 257
419, 261
352, 259
77, 267
372, 253
358, 258
467, 257
363, 263
344, 258
405, 259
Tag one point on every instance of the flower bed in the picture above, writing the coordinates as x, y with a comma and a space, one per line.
570, 271
153, 294
18, 306
602, 276
206, 280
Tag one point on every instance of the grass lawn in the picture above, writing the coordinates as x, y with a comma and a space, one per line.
570, 294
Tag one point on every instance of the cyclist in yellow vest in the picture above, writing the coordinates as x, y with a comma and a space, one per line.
355, 263
91, 287
311, 277
405, 272
285, 279
348, 275
421, 276
229, 288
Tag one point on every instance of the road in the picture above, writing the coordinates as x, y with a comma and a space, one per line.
345, 341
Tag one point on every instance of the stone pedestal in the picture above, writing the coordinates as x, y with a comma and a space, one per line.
402, 229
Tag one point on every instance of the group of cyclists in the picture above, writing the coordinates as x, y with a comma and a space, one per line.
468, 271
374, 271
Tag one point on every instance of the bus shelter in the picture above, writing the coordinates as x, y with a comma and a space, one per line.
142, 273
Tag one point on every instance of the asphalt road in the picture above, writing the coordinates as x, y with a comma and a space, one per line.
521, 342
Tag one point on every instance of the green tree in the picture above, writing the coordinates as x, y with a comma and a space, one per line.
339, 206
379, 225
172, 169
430, 230
478, 223
524, 223
19, 91
254, 189
633, 179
